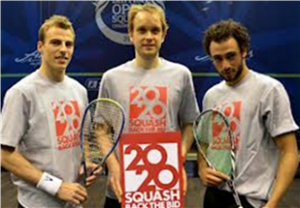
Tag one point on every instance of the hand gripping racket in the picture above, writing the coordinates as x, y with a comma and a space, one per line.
214, 140
101, 128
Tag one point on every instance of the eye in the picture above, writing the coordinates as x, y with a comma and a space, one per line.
216, 59
55, 42
230, 56
69, 44
141, 30
156, 30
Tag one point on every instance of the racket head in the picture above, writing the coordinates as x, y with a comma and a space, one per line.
214, 141
101, 128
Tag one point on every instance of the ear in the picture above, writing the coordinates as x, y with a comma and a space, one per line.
130, 34
244, 54
164, 36
40, 47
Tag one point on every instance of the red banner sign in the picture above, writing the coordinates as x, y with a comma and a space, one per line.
151, 170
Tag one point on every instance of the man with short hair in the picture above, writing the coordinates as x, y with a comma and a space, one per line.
258, 108
150, 88
41, 117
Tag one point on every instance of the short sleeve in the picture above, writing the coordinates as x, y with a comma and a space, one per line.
189, 106
14, 117
103, 89
276, 111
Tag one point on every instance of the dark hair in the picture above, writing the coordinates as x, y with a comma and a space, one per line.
225, 29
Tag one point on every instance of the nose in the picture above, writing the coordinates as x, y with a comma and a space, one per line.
149, 35
63, 47
226, 64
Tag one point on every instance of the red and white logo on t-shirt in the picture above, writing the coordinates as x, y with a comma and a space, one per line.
148, 109
67, 123
232, 111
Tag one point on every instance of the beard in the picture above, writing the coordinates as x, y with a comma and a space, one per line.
233, 74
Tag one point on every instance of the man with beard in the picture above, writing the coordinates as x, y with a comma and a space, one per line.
258, 108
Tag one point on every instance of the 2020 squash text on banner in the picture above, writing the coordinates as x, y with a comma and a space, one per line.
151, 170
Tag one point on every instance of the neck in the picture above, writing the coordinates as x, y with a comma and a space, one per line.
147, 64
52, 74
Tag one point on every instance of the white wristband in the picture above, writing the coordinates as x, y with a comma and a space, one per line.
49, 183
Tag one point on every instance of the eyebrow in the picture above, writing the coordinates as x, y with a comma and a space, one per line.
226, 54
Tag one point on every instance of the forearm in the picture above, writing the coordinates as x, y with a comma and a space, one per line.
115, 175
112, 163
15, 163
187, 138
202, 164
287, 166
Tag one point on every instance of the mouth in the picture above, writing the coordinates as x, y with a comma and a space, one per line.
228, 72
148, 46
61, 58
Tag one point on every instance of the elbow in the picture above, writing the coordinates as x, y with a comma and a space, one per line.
3, 159
6, 154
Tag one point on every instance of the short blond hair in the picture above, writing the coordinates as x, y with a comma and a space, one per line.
151, 8
55, 21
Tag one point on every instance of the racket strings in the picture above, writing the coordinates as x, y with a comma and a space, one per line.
213, 140
101, 129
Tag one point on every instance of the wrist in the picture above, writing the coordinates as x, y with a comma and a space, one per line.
272, 203
49, 183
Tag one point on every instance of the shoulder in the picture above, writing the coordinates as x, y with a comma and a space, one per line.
74, 84
176, 66
216, 88
23, 89
118, 70
176, 70
266, 83
264, 79
26, 84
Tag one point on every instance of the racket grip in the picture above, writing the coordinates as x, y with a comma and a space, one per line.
100, 166
93, 171
84, 169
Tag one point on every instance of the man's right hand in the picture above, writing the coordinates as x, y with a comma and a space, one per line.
211, 177
72, 192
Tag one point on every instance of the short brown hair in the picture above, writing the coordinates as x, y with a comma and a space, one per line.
152, 8
55, 21
225, 29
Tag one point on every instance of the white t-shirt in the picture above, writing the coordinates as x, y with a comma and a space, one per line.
259, 109
42, 120
155, 100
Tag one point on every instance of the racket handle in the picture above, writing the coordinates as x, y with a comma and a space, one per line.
84, 169
100, 166
235, 194
93, 171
